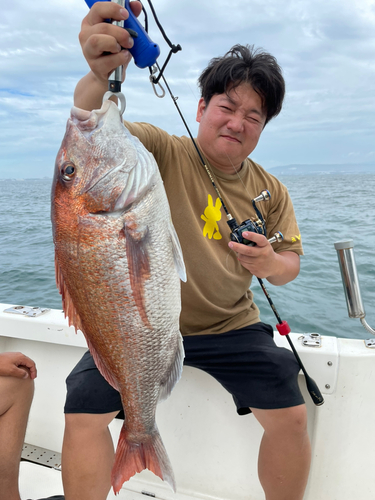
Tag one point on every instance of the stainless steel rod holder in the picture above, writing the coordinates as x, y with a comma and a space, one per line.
349, 275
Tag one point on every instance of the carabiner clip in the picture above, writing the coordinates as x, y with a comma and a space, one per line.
155, 91
153, 70
120, 96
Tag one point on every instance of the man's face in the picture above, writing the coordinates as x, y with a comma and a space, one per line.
230, 127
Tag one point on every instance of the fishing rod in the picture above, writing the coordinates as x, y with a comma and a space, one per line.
145, 53
284, 329
258, 226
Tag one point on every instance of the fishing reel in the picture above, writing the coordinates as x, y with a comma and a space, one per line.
252, 225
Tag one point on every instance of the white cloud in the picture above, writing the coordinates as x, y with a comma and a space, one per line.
326, 50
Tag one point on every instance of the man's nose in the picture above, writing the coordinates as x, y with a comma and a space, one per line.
235, 123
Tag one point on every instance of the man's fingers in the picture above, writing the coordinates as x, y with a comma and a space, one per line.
16, 364
29, 366
104, 38
109, 63
96, 45
20, 372
136, 8
101, 11
259, 239
240, 248
102, 42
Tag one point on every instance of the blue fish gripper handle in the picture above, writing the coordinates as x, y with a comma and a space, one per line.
144, 51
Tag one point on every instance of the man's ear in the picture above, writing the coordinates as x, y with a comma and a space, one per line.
201, 107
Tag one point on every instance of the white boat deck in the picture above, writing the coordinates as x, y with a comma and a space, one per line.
41, 482
213, 451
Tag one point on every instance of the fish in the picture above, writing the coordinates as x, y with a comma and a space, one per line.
119, 267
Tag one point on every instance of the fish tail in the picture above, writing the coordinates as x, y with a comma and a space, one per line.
132, 457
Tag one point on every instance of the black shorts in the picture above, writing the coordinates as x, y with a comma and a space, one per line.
246, 362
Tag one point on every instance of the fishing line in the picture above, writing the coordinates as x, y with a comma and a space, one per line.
209, 173
242, 182
282, 326
257, 226
240, 178
173, 48
155, 81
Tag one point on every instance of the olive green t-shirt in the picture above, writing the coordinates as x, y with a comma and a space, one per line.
216, 297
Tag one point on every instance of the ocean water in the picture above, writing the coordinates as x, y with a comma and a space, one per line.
329, 208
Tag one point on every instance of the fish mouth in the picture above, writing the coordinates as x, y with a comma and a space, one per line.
90, 121
80, 114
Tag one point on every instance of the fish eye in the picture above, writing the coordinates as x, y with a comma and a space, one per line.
68, 171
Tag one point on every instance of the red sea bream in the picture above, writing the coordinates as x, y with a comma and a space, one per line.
118, 269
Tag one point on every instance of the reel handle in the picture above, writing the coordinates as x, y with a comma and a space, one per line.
276, 238
265, 195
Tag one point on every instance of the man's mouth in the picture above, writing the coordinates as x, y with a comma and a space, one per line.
231, 138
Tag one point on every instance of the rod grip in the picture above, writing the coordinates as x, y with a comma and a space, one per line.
314, 391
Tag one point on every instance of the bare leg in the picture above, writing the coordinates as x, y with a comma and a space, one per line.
16, 395
285, 452
87, 456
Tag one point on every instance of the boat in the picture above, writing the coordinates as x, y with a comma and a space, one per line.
213, 451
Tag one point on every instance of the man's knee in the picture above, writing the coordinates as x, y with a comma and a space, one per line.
291, 420
17, 392
88, 422
297, 418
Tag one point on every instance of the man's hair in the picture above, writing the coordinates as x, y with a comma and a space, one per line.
244, 64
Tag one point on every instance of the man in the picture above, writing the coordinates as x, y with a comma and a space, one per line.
17, 374
222, 331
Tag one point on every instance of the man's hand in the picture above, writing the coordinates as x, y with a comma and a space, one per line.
104, 48
104, 45
16, 364
263, 262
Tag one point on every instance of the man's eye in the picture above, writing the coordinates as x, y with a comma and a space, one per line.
253, 119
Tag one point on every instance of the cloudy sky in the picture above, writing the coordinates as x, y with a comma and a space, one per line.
326, 50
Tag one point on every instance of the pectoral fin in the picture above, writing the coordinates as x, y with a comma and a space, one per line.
139, 266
